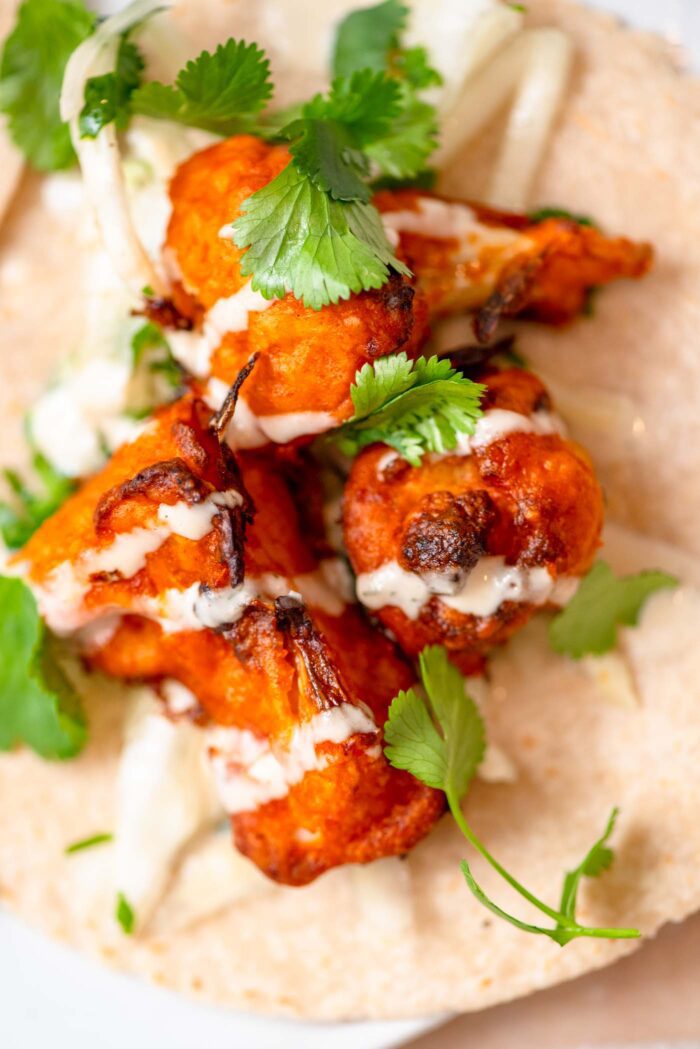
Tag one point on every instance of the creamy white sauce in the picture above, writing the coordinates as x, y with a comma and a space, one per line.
328, 588
165, 795
194, 521
178, 698
492, 426
287, 426
392, 585
248, 430
497, 423
154, 149
126, 554
486, 587
87, 413
446, 221
194, 349
214, 608
60, 597
250, 771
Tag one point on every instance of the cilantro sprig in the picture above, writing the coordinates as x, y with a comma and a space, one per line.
32, 64
371, 39
312, 230
415, 406
301, 240
221, 92
440, 740
603, 602
38, 706
365, 38
20, 518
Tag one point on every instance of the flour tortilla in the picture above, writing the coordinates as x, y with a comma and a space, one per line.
628, 152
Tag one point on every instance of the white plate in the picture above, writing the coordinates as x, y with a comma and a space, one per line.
53, 996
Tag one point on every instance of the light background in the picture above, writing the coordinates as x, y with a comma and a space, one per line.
52, 997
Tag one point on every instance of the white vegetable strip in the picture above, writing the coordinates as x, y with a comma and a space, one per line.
484, 95
460, 38
544, 80
100, 159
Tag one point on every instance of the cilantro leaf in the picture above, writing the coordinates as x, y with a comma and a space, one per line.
88, 843
458, 716
219, 92
18, 522
301, 240
32, 64
329, 137
325, 152
403, 152
598, 859
108, 97
124, 914
312, 230
588, 624
365, 104
412, 741
415, 406
371, 40
446, 760
440, 740
413, 65
37, 704
560, 213
364, 38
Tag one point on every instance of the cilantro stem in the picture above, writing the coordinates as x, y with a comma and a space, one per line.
566, 928
456, 810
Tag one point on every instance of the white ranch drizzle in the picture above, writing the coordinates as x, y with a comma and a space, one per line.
60, 597
494, 425
247, 430
448, 221
194, 521
486, 587
249, 771
328, 588
497, 423
194, 349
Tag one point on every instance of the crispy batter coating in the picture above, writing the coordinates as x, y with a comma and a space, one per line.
270, 671
530, 498
176, 460
308, 358
354, 810
543, 270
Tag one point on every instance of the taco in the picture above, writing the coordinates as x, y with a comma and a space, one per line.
358, 497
